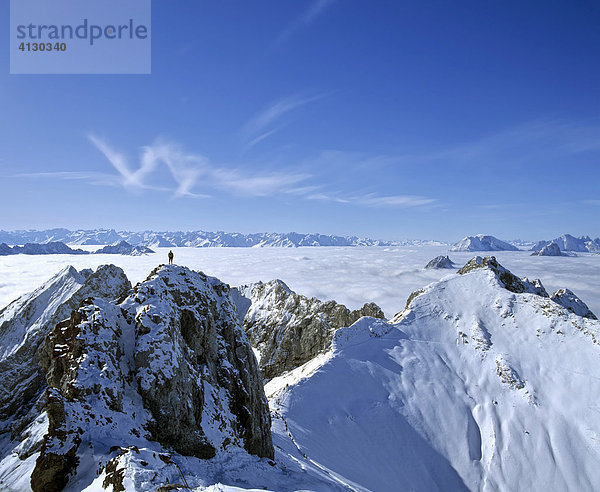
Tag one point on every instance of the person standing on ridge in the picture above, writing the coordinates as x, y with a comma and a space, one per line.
171, 255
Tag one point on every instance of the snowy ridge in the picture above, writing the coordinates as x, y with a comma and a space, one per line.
26, 321
473, 387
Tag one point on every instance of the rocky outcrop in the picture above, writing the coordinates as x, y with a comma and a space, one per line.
563, 297
506, 278
440, 262
25, 322
289, 329
567, 299
168, 363
551, 249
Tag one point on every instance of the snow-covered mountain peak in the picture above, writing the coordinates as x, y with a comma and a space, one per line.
35, 309
165, 366
506, 278
567, 242
550, 249
475, 387
481, 242
26, 321
440, 262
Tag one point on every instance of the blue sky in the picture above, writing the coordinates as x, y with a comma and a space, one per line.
388, 119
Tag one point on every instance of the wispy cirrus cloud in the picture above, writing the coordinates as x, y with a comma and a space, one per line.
194, 175
314, 10
257, 185
185, 168
96, 178
262, 124
376, 200
189, 172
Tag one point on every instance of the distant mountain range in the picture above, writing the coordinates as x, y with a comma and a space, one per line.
60, 248
137, 241
566, 242
51, 248
153, 239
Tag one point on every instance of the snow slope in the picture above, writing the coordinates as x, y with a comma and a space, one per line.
474, 387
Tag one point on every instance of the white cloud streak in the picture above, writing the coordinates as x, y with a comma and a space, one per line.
192, 171
257, 129
375, 200
315, 9
256, 185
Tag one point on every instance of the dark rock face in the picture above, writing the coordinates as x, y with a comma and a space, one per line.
169, 363
289, 329
440, 262
195, 331
508, 280
54, 466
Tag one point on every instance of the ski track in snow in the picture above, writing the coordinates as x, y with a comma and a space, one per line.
349, 275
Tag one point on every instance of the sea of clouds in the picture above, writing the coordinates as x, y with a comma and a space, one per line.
351, 276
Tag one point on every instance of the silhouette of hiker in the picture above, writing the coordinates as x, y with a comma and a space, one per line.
171, 257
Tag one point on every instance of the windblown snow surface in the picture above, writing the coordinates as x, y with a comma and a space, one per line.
473, 388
